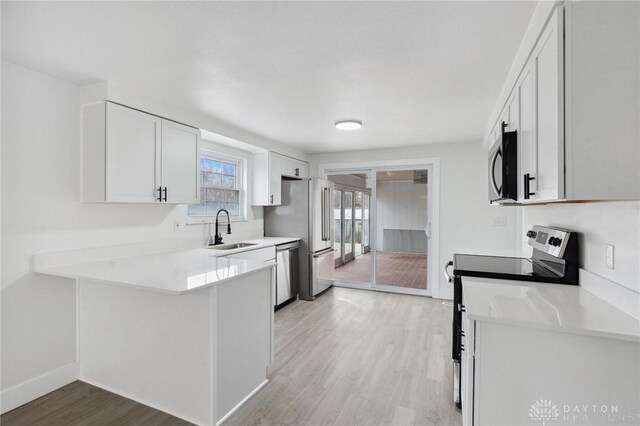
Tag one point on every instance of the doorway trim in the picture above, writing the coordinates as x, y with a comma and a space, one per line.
433, 244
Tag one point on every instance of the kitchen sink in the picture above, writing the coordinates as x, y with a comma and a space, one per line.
232, 246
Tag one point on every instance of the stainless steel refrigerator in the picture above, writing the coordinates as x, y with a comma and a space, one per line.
306, 212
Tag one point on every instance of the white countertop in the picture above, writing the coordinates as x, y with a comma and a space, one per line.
177, 272
557, 307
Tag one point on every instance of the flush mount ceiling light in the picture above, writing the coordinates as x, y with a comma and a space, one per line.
348, 124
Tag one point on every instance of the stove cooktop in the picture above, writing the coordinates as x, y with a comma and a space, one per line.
516, 268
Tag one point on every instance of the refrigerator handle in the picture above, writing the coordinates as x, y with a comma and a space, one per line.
326, 214
322, 209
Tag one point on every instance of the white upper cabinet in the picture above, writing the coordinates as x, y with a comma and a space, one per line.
132, 148
548, 57
180, 156
602, 106
130, 156
540, 139
527, 136
268, 170
575, 106
275, 179
267, 179
294, 168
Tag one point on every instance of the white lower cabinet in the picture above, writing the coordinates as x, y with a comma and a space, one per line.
244, 340
509, 371
267, 254
130, 156
467, 369
196, 355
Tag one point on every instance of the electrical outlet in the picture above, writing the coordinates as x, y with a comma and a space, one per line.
177, 225
500, 221
610, 255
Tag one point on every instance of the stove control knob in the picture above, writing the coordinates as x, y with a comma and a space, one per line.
531, 234
554, 241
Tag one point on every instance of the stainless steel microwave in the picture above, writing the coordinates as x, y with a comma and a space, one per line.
503, 168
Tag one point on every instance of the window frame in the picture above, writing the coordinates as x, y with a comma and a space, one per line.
241, 186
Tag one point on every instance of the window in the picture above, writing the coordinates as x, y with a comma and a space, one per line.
220, 187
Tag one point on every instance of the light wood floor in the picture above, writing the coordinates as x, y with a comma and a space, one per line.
352, 357
357, 357
81, 404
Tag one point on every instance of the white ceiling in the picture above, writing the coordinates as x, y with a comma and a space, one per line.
412, 72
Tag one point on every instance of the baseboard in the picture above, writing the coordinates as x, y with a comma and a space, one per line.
144, 402
22, 393
246, 398
623, 298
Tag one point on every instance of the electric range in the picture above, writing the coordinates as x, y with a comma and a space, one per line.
554, 260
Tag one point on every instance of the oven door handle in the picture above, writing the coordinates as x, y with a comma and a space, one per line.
446, 273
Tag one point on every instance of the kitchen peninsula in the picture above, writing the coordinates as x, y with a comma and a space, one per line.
186, 331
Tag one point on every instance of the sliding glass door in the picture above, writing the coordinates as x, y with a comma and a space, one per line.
402, 219
382, 221
352, 227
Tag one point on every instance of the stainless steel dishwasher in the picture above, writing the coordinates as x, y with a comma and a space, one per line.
287, 274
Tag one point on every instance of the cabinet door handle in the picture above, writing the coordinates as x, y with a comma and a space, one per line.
461, 308
462, 347
165, 194
527, 186
271, 199
159, 194
297, 171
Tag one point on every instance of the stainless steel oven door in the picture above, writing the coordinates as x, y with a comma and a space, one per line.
495, 172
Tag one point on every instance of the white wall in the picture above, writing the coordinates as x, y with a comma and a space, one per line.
227, 134
466, 218
616, 223
401, 205
42, 213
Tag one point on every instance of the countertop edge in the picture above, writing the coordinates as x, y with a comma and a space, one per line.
626, 332
569, 330
47, 271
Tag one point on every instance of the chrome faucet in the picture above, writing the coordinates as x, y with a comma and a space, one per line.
218, 237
